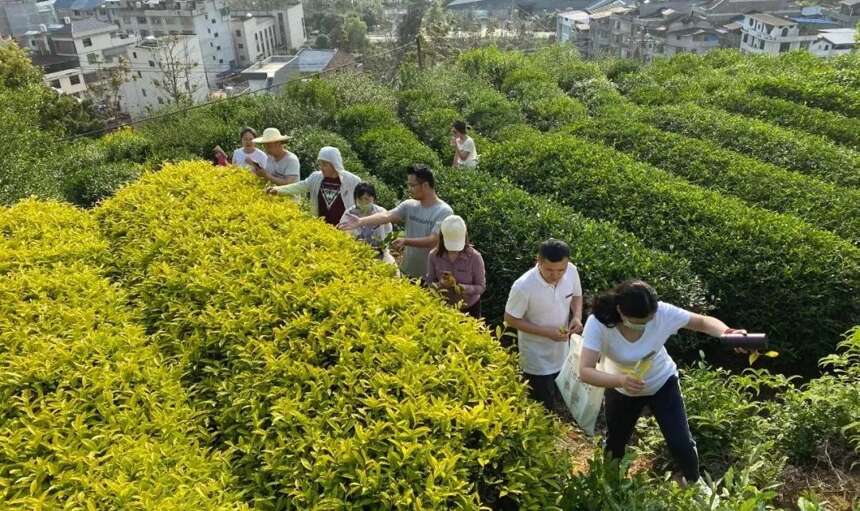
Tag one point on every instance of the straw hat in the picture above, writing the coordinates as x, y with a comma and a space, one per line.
271, 135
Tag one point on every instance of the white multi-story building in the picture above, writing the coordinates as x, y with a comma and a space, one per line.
162, 70
96, 44
209, 20
290, 32
834, 41
63, 74
254, 37
19, 16
772, 35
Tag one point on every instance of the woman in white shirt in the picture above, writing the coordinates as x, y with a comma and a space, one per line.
629, 328
248, 151
465, 153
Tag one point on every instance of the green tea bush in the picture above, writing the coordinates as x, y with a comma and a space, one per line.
809, 154
91, 184
389, 152
90, 417
332, 383
762, 267
352, 88
500, 215
490, 64
822, 204
834, 97
544, 104
836, 127
355, 120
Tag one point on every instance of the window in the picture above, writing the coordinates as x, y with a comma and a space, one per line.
126, 19
213, 21
213, 58
746, 37
144, 33
143, 91
241, 58
134, 54
784, 47
33, 43
141, 20
785, 32
55, 84
160, 101
218, 48
158, 33
208, 30
211, 44
804, 45
151, 64
156, 82
216, 34
155, 21
239, 33
87, 42
92, 58
75, 79
139, 74
220, 61
241, 46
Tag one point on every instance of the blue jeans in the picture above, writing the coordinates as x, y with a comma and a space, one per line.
667, 405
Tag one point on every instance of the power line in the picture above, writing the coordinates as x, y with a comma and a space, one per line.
237, 96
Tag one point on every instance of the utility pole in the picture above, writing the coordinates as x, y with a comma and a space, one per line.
420, 53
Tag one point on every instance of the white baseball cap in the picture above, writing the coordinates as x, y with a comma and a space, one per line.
454, 233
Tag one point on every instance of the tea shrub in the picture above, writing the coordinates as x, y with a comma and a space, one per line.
761, 266
822, 204
90, 417
809, 154
332, 383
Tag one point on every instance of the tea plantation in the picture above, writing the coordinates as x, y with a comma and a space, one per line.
171, 338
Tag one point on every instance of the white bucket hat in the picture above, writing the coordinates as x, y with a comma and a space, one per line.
271, 135
454, 233
332, 155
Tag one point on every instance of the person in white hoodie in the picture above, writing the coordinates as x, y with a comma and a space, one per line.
330, 189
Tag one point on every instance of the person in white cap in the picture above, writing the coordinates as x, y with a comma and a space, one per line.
457, 268
282, 167
331, 189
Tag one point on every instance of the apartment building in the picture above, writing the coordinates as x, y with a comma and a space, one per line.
771, 35
254, 37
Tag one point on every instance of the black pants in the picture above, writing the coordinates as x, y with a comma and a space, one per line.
667, 405
543, 388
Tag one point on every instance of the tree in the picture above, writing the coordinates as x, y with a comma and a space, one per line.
410, 26
322, 42
16, 69
109, 84
177, 68
356, 34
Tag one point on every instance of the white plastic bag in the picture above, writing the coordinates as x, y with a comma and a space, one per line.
583, 400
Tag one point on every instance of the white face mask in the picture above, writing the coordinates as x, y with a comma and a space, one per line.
639, 327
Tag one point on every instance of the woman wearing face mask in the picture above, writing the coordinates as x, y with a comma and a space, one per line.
248, 152
629, 327
365, 205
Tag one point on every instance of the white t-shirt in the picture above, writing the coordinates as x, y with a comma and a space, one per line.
468, 146
287, 166
538, 302
622, 355
240, 157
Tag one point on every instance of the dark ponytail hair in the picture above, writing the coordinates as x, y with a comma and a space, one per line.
461, 127
635, 298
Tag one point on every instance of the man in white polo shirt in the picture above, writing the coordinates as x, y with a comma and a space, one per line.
545, 306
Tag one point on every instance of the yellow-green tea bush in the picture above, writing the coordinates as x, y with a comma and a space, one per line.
38, 233
90, 417
333, 384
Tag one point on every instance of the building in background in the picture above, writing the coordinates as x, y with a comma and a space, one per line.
834, 41
209, 20
63, 74
274, 72
20, 16
254, 37
164, 70
79, 9
771, 35
97, 45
